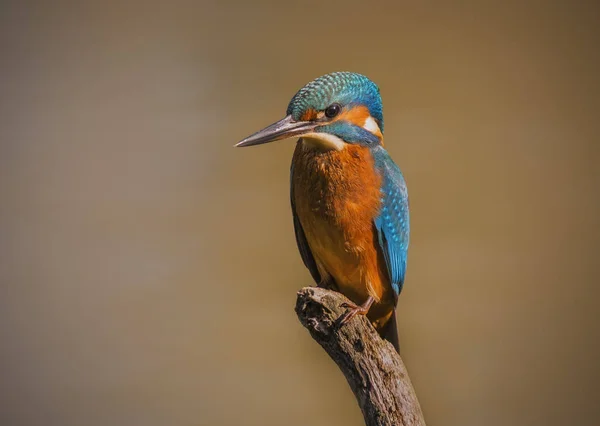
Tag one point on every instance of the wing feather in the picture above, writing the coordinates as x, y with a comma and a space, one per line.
303, 247
392, 223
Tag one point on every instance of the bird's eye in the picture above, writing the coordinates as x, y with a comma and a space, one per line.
332, 110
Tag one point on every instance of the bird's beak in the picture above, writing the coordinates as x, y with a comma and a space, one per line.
286, 128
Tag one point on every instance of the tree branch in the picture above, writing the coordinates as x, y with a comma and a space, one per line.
373, 368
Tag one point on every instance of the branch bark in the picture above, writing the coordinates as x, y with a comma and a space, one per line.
373, 368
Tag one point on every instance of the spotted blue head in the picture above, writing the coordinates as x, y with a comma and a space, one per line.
334, 110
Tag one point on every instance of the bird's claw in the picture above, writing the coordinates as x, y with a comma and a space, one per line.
347, 317
353, 311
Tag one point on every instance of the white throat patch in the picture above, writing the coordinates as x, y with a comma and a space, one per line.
324, 141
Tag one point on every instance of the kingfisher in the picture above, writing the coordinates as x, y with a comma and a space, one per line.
349, 198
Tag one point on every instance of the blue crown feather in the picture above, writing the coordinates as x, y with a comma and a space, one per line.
345, 88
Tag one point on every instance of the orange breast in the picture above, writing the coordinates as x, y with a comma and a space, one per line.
337, 196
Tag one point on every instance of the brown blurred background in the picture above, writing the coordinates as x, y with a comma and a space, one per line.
148, 270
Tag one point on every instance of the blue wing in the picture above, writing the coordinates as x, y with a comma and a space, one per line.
392, 224
305, 253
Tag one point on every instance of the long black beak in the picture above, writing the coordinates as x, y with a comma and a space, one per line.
286, 128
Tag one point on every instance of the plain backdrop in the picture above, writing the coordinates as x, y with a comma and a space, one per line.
148, 270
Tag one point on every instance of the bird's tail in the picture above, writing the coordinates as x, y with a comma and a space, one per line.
390, 332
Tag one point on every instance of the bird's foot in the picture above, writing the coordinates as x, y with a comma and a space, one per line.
354, 310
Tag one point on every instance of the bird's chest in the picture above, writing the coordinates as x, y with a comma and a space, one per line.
337, 196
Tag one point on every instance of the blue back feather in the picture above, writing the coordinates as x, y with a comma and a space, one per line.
392, 224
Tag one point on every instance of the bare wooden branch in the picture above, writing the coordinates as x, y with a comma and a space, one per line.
373, 368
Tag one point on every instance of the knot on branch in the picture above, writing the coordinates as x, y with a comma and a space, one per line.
315, 315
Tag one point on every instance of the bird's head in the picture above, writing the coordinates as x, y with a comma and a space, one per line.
334, 110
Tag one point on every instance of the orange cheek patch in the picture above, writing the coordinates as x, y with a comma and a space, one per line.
359, 116
309, 114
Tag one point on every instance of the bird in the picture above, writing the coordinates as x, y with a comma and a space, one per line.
349, 199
